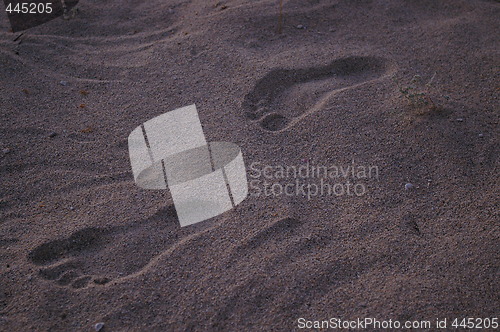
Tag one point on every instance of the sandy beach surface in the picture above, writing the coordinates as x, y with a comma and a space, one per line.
407, 88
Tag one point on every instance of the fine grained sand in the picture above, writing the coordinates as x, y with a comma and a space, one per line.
80, 243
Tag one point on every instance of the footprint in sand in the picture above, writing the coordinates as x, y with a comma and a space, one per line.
95, 256
284, 96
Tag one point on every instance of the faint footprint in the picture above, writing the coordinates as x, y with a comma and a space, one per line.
281, 238
284, 96
286, 244
268, 237
99, 255
82, 137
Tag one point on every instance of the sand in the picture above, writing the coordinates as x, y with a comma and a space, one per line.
81, 244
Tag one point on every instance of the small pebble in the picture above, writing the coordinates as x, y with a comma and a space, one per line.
5, 151
460, 120
481, 135
408, 186
300, 26
63, 83
98, 326
52, 134
71, 208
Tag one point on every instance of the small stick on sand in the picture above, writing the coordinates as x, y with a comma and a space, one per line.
280, 17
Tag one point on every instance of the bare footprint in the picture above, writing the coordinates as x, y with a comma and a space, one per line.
284, 96
286, 244
99, 255
271, 239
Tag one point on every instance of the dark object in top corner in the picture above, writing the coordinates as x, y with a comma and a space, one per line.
25, 14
